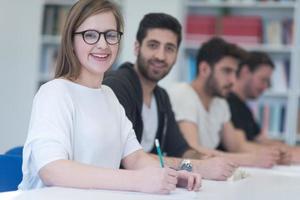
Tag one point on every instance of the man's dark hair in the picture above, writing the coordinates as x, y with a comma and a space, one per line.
158, 20
254, 60
216, 49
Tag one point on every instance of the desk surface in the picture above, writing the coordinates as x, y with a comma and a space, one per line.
279, 183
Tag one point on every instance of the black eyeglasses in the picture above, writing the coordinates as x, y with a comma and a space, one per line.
92, 36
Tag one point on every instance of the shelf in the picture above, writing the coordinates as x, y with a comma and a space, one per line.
60, 2
276, 136
271, 11
253, 5
270, 93
51, 39
289, 92
193, 45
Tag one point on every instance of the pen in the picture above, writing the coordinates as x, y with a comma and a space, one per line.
159, 153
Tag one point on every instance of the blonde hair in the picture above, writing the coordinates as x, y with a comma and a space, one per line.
68, 65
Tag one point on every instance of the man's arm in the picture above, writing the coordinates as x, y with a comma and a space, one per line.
216, 168
234, 140
244, 159
190, 133
262, 138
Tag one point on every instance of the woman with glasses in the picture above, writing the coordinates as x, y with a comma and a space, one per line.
79, 133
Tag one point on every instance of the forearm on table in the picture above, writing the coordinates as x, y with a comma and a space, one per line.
139, 159
249, 147
241, 159
269, 141
172, 162
199, 154
68, 173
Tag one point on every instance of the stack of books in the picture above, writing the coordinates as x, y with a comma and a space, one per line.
241, 29
200, 27
54, 19
271, 117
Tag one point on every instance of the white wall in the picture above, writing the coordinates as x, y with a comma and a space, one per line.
19, 47
133, 12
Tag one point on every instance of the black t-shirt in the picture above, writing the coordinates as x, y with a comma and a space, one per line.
242, 117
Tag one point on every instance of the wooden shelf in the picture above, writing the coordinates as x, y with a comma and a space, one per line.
231, 4
194, 45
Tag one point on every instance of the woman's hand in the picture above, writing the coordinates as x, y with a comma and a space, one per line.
189, 180
157, 180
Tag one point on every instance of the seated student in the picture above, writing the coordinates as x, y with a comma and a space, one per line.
253, 78
148, 106
79, 133
202, 112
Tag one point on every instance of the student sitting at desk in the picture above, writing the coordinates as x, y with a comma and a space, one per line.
79, 133
203, 114
253, 78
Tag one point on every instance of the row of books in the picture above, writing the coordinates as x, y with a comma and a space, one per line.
246, 1
280, 80
271, 117
54, 19
240, 29
298, 129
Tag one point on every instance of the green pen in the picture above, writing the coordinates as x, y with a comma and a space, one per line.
159, 153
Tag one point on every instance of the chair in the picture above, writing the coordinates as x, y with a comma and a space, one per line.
17, 151
10, 172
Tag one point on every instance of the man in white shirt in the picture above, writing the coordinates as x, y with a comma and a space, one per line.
204, 116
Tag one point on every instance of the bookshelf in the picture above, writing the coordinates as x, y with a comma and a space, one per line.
270, 26
54, 16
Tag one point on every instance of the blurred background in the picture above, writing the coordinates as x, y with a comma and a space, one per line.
30, 37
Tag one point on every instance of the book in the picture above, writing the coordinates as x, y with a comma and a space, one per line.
192, 68
241, 29
298, 129
288, 31
273, 32
275, 119
270, 115
282, 119
280, 76
62, 16
48, 21
200, 27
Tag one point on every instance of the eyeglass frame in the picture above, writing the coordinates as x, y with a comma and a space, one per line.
120, 33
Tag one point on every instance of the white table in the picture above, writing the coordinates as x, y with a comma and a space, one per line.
279, 183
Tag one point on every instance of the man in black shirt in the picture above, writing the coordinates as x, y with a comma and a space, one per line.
242, 117
148, 106
253, 78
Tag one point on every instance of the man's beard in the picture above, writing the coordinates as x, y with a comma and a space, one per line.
143, 67
248, 91
213, 88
